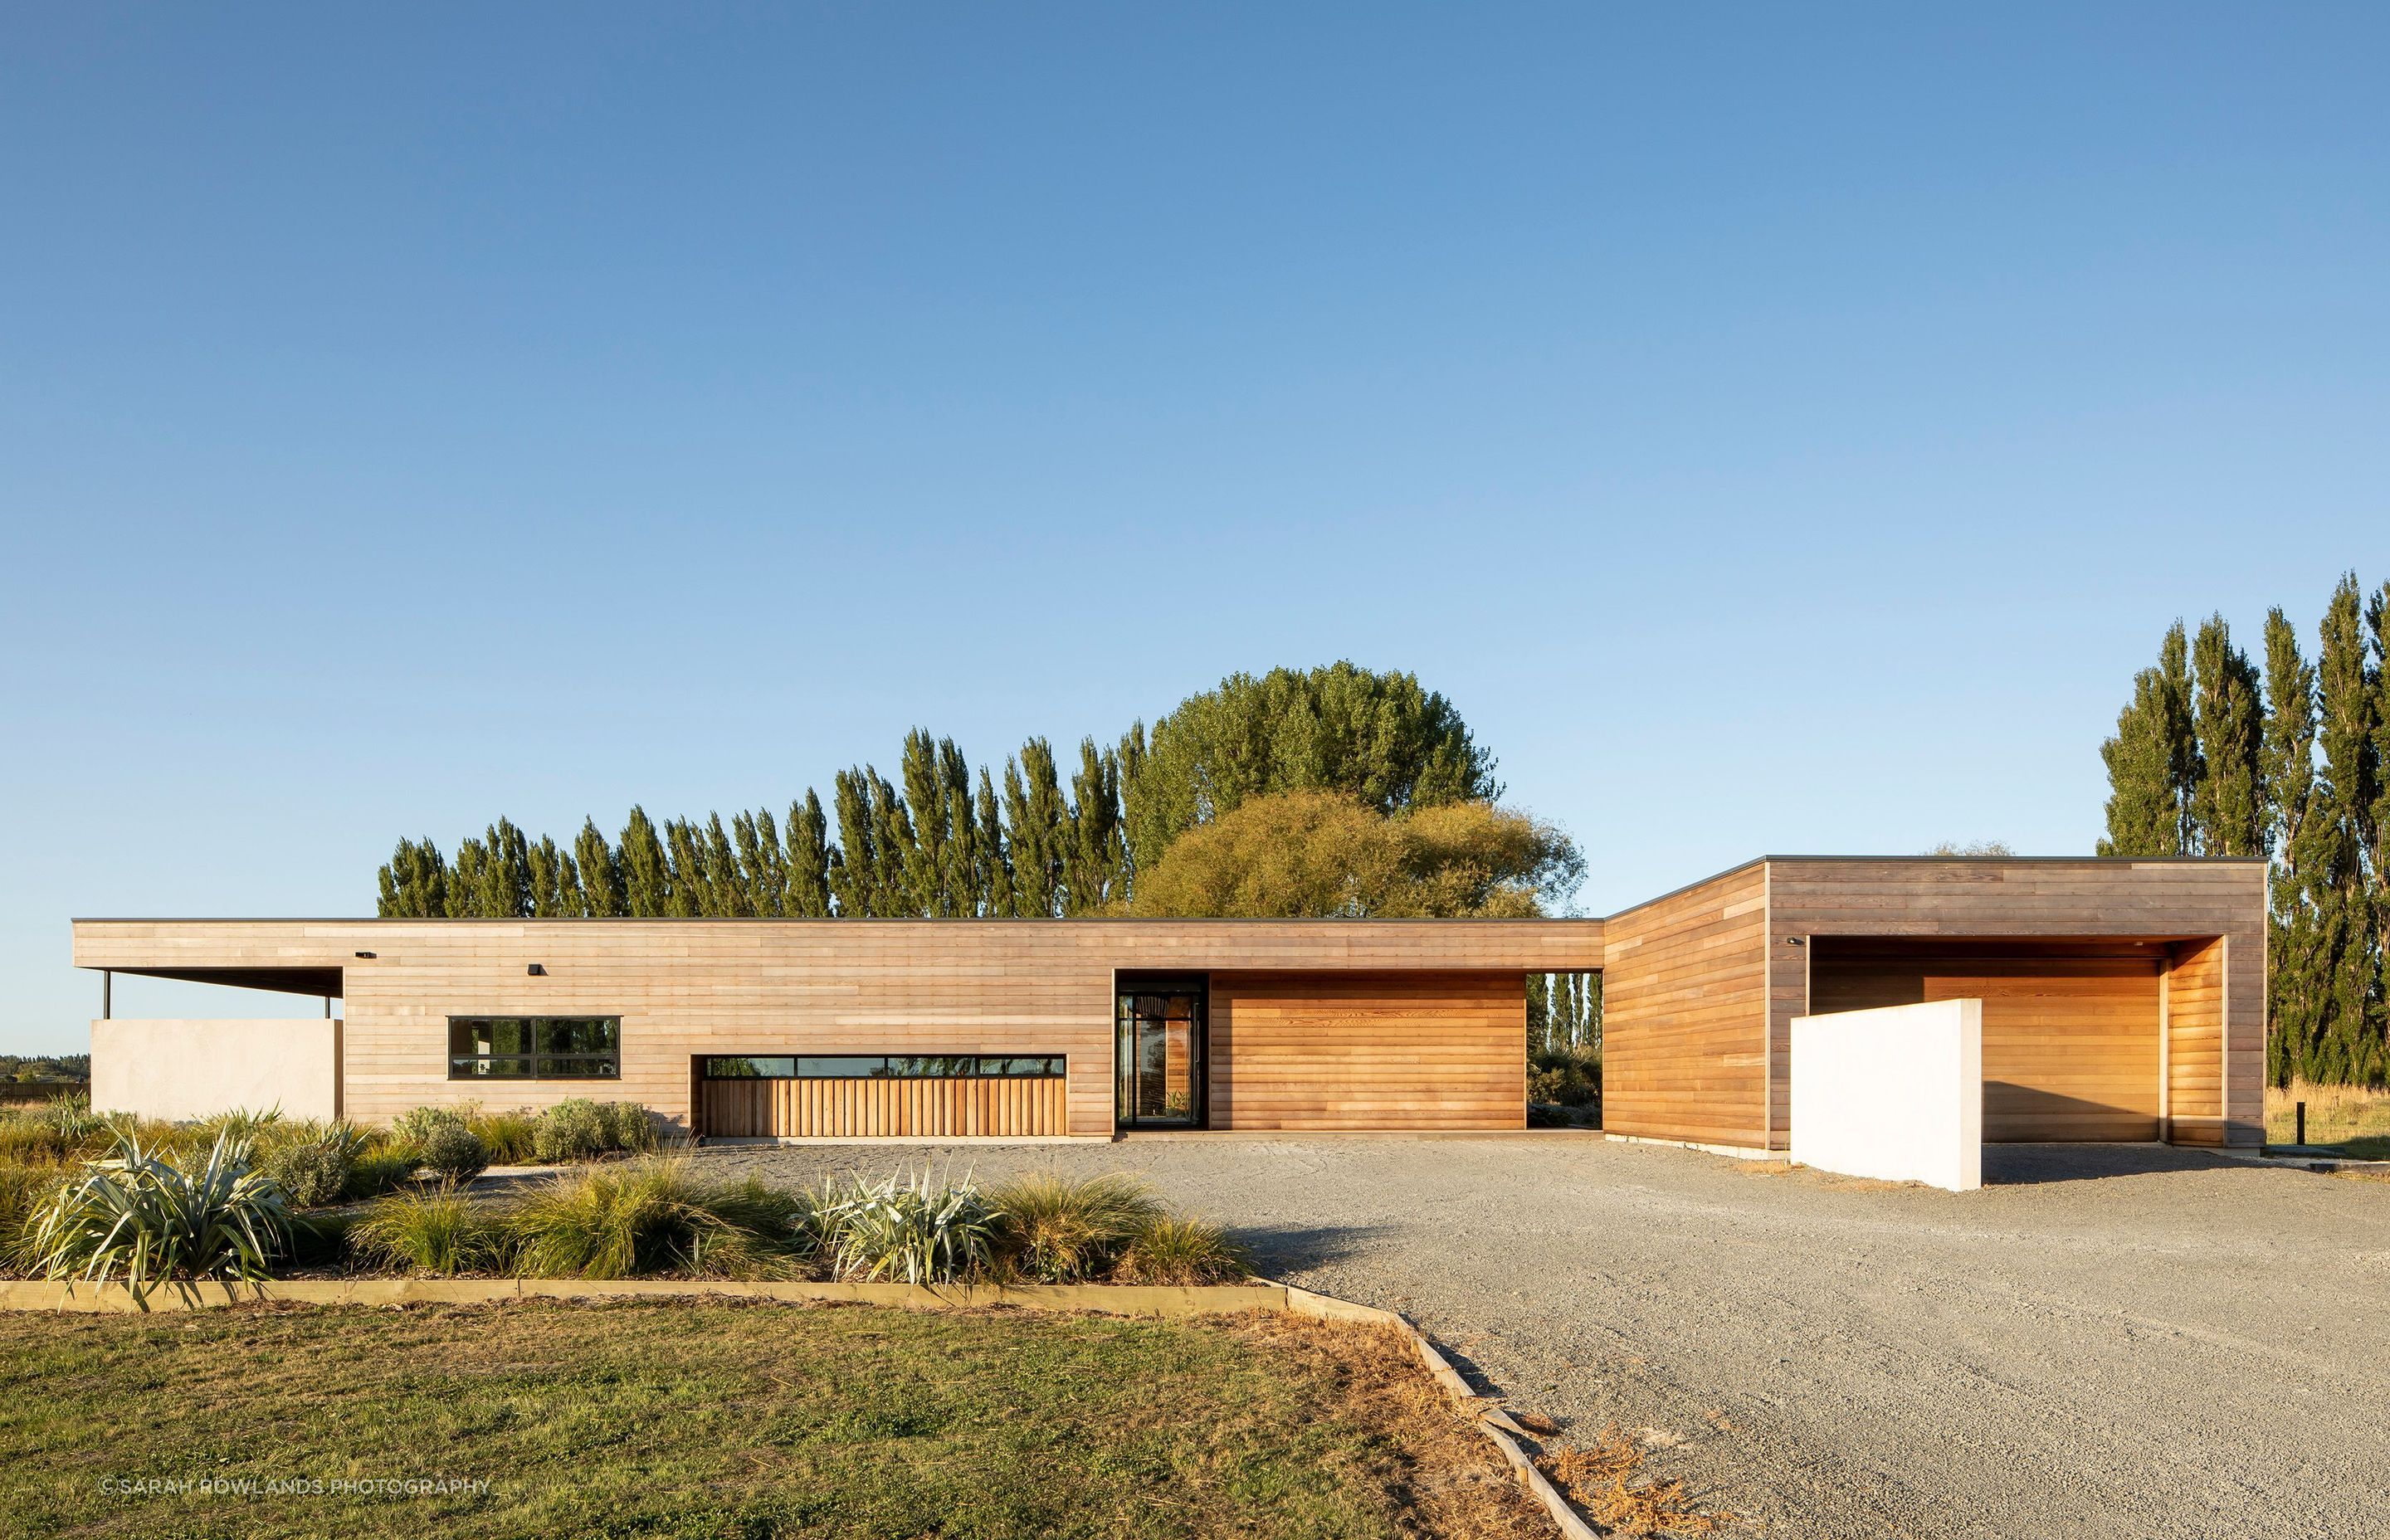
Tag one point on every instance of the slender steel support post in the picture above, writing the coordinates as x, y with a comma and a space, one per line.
2302, 1137
107, 992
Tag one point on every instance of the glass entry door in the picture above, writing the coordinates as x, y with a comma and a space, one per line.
1160, 1056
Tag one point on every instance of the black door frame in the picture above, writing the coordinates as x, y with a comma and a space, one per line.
1198, 986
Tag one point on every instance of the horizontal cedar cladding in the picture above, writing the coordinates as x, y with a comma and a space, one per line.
2183, 903
1685, 1014
685, 988
1369, 1050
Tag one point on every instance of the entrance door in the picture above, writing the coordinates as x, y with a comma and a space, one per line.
1158, 1058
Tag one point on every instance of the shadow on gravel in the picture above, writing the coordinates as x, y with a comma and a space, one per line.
1277, 1248
2021, 1164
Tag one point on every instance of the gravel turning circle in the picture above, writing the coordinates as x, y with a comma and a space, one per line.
2113, 1340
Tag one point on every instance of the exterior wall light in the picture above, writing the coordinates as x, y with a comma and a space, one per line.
365, 954
536, 970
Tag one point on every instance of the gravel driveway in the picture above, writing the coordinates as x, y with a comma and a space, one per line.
2110, 1341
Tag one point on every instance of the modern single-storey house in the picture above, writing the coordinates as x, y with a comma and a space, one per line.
2123, 999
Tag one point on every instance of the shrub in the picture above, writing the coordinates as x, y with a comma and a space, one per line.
439, 1231
572, 1130
1565, 1077
382, 1170
313, 1161
142, 1219
415, 1124
1058, 1230
452, 1151
908, 1229
628, 1126
1168, 1250
655, 1217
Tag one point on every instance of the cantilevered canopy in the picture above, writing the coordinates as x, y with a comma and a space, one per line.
282, 980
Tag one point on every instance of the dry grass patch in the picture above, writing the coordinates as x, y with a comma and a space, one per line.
1602, 1479
2355, 1117
720, 1419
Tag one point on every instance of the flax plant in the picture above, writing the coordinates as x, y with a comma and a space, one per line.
145, 1220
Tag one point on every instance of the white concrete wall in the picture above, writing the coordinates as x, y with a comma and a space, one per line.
1896, 1093
183, 1070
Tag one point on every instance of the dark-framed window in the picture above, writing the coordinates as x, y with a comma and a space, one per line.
879, 1066
534, 1047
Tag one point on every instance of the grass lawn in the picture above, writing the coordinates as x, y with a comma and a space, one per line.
2353, 1117
731, 1420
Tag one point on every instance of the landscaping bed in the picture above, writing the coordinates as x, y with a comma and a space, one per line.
713, 1420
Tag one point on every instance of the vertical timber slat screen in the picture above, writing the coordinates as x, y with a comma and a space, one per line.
887, 1107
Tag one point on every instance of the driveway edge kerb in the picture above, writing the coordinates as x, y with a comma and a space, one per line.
1490, 1419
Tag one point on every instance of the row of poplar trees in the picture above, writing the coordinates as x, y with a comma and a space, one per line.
945, 842
942, 845
1563, 1012
2220, 755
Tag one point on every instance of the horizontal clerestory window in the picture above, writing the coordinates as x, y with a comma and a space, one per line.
881, 1066
534, 1047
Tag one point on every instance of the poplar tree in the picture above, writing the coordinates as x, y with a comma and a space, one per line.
959, 871
1036, 814
647, 868
2294, 945
468, 878
763, 867
2377, 616
926, 853
601, 873
1096, 855
726, 884
491, 876
857, 867
2229, 804
875, 833
555, 884
414, 884
2153, 759
893, 839
808, 840
685, 850
994, 879
2341, 885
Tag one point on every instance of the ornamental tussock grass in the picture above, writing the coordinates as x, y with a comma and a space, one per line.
507, 1136
24, 1190
1056, 1229
655, 1216
1600, 1479
435, 1230
1183, 1251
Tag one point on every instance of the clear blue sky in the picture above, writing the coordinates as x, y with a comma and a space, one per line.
1777, 429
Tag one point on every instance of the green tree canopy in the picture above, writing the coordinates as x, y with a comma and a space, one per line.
1379, 738
1318, 854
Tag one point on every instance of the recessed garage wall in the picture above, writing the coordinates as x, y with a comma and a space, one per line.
1369, 1050
2071, 1029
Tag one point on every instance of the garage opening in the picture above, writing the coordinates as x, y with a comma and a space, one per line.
2072, 1029
881, 1096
